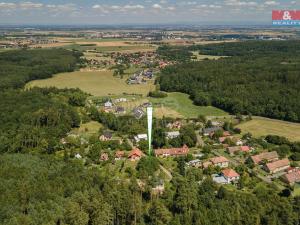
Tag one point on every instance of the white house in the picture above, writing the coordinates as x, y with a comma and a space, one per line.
172, 134
78, 156
230, 175
140, 137
108, 104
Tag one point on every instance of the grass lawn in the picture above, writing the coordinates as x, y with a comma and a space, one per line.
296, 191
97, 83
182, 104
260, 126
88, 128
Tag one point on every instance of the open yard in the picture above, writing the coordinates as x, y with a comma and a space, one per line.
263, 126
97, 83
181, 103
88, 128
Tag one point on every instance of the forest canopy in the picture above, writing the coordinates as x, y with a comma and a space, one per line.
35, 120
260, 78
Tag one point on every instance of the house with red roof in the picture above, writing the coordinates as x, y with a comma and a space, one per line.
104, 157
119, 155
172, 152
235, 149
277, 166
135, 155
220, 161
292, 176
230, 175
265, 156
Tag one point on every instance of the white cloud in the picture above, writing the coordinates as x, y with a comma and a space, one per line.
6, 5
134, 7
271, 3
171, 8
240, 3
156, 6
30, 5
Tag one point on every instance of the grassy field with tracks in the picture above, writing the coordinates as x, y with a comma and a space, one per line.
97, 83
263, 126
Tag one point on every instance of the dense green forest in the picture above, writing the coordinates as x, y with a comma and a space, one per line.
42, 190
21, 66
34, 120
260, 78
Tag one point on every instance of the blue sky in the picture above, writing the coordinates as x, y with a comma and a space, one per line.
99, 12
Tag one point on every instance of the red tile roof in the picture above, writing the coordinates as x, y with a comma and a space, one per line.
292, 177
120, 154
219, 159
277, 164
135, 152
269, 156
230, 173
245, 148
172, 151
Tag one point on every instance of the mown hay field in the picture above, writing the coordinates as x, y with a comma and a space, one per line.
260, 126
97, 83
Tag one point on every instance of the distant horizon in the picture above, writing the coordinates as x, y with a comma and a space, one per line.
136, 12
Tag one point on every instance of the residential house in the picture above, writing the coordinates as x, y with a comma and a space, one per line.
172, 134
138, 113
120, 110
176, 125
230, 175
78, 156
194, 163
206, 164
108, 104
277, 166
120, 100
104, 157
172, 152
239, 142
119, 155
210, 130
236, 149
220, 161
265, 156
222, 139
292, 176
146, 104
140, 137
219, 179
135, 154
106, 136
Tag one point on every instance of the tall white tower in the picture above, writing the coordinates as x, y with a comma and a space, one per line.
149, 117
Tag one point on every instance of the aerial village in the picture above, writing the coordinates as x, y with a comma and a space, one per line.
213, 147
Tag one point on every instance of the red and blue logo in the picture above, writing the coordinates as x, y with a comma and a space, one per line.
286, 17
